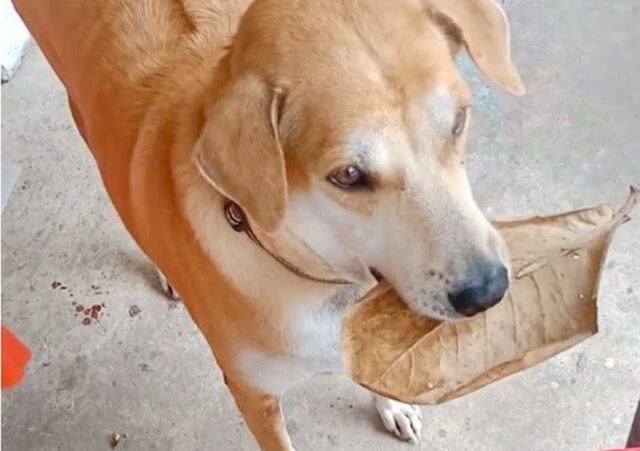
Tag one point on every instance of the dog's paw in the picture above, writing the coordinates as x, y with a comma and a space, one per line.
402, 420
167, 288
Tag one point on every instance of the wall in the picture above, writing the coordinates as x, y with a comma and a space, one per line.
13, 39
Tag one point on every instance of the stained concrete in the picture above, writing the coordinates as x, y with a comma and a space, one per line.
571, 142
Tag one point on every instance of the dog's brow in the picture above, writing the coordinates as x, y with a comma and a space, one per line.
369, 150
442, 107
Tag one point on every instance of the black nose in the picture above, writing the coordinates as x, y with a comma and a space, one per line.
482, 291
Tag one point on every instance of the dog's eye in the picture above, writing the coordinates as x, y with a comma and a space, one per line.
459, 122
348, 177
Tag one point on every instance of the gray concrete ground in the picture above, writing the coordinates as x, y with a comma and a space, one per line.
571, 142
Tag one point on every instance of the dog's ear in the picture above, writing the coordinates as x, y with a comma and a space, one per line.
239, 150
482, 27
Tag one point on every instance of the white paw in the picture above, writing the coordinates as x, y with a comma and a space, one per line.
167, 288
402, 420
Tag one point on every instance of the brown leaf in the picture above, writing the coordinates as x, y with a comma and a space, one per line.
550, 306
114, 440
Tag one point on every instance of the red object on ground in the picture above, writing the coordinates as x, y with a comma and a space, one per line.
15, 355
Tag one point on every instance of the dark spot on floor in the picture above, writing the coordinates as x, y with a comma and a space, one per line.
134, 310
333, 439
90, 314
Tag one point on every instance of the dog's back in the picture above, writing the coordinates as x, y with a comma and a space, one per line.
115, 56
92, 42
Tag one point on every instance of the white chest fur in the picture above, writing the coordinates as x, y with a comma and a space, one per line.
314, 338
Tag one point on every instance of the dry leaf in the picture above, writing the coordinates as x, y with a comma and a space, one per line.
114, 440
550, 306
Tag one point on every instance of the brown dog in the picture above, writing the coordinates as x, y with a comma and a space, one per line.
272, 158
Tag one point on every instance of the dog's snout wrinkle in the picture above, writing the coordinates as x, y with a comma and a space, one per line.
481, 291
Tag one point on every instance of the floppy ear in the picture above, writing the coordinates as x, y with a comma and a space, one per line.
239, 152
482, 27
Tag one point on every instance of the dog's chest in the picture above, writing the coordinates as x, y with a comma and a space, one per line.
314, 339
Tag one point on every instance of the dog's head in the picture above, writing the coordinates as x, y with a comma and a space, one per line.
342, 127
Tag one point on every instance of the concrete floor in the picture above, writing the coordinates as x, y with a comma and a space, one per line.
571, 142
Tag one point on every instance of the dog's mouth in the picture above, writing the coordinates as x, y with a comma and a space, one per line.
376, 274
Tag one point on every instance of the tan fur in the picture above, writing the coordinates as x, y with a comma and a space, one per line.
156, 93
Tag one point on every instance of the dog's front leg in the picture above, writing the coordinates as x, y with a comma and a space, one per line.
261, 412
263, 416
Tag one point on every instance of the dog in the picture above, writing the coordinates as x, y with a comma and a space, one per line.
274, 159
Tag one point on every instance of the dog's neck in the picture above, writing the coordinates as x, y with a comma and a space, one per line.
246, 265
